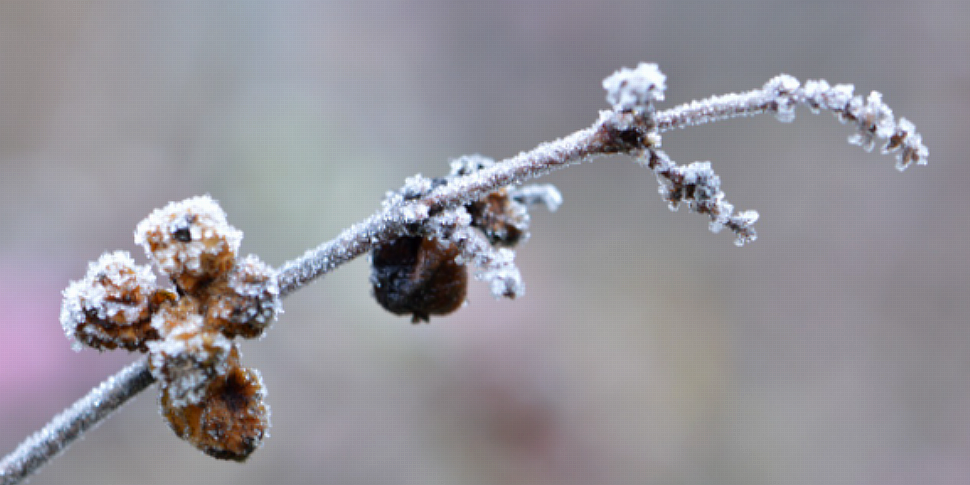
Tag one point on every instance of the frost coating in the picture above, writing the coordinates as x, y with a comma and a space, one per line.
496, 266
546, 194
469, 164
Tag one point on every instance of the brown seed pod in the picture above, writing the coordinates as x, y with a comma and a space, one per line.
190, 241
230, 422
418, 276
186, 361
112, 306
504, 220
244, 302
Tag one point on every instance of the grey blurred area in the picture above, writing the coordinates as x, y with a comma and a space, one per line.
834, 350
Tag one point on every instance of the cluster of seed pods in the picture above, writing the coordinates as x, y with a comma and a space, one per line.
207, 397
425, 274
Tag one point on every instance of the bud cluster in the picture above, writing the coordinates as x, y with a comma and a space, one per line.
207, 397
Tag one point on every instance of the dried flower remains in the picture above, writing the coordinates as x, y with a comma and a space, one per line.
207, 397
423, 272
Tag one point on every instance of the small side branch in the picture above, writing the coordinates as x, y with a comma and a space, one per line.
66, 427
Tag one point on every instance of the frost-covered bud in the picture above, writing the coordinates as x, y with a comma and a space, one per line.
419, 277
874, 119
635, 89
907, 144
232, 420
503, 220
246, 301
185, 363
783, 89
504, 277
743, 226
111, 307
701, 182
190, 241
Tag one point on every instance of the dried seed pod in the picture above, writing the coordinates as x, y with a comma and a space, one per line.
246, 301
189, 355
190, 241
232, 420
111, 307
185, 363
504, 220
418, 276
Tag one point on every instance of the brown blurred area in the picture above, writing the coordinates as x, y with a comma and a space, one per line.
834, 350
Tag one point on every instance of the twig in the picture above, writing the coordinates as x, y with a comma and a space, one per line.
66, 427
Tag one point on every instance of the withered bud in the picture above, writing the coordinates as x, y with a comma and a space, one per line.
111, 307
189, 355
232, 420
190, 241
246, 301
418, 276
503, 220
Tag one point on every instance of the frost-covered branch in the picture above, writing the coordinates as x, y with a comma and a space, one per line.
66, 427
780, 95
421, 240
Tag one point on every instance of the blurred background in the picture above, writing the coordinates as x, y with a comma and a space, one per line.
834, 350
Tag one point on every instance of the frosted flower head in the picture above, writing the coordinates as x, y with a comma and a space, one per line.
112, 305
190, 241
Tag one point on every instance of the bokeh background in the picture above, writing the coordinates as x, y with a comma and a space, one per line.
834, 350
